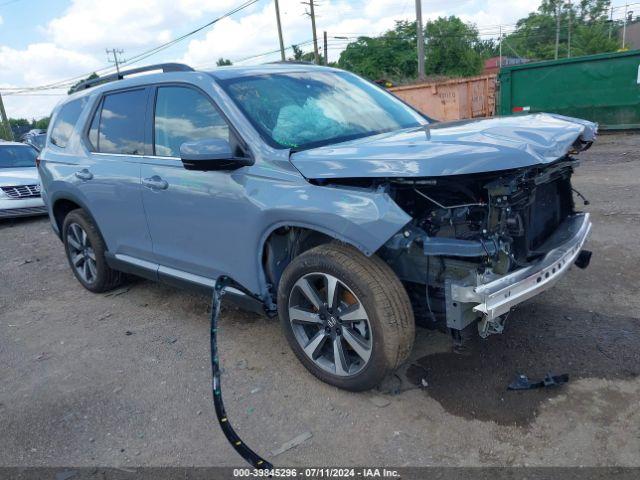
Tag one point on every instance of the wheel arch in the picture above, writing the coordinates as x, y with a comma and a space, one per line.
284, 241
62, 205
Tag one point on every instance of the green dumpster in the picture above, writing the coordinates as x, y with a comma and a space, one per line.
604, 88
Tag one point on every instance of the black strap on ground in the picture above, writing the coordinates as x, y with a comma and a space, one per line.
245, 452
522, 382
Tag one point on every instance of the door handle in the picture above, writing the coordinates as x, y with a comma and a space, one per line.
84, 174
155, 183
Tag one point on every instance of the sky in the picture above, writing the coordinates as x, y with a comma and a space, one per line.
46, 41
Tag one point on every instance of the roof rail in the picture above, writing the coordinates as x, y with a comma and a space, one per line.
165, 67
291, 62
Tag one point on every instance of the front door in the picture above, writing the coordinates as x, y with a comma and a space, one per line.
192, 215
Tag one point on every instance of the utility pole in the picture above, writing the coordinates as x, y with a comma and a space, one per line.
282, 57
557, 27
326, 49
5, 121
624, 26
610, 22
116, 60
420, 34
500, 48
312, 14
569, 33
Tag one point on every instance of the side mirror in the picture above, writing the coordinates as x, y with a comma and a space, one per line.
212, 154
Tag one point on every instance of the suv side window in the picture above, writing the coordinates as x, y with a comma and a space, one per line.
118, 124
183, 114
66, 121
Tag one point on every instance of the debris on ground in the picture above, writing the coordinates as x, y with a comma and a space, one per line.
294, 442
117, 292
379, 401
522, 382
104, 317
171, 340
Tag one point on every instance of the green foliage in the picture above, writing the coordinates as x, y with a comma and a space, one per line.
391, 55
535, 35
19, 122
223, 62
297, 53
487, 48
43, 123
300, 56
22, 125
450, 48
90, 77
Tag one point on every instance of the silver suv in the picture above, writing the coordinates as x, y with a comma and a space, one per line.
324, 199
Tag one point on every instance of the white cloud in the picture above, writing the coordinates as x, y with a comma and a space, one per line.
492, 13
91, 25
39, 64
237, 38
75, 40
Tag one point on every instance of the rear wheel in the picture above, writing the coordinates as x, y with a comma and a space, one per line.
85, 251
347, 317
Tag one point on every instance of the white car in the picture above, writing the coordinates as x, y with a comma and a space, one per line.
19, 181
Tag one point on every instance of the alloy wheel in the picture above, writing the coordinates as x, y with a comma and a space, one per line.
330, 324
81, 253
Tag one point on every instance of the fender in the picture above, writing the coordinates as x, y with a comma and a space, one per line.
362, 218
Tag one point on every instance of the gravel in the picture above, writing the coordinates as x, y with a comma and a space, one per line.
78, 390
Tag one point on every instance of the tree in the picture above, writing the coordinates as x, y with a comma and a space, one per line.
391, 55
535, 35
593, 39
450, 48
297, 53
42, 124
300, 56
487, 48
19, 122
223, 62
75, 85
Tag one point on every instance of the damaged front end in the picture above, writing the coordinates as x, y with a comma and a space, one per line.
493, 219
480, 244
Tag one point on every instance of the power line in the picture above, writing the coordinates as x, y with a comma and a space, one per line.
141, 56
311, 13
116, 60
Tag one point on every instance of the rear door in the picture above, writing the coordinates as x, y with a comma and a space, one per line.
110, 179
193, 216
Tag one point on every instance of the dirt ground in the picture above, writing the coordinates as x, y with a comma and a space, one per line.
123, 379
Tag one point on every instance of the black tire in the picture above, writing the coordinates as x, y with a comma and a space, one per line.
377, 289
104, 278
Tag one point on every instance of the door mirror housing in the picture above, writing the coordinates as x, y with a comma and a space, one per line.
212, 154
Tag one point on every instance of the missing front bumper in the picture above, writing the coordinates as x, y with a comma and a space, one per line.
497, 296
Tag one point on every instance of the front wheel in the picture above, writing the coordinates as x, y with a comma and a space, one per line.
347, 317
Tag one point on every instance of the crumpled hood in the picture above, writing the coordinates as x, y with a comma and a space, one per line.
10, 177
454, 148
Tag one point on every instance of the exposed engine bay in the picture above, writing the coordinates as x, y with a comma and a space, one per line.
471, 229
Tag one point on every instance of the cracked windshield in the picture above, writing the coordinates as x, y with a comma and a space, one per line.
307, 109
